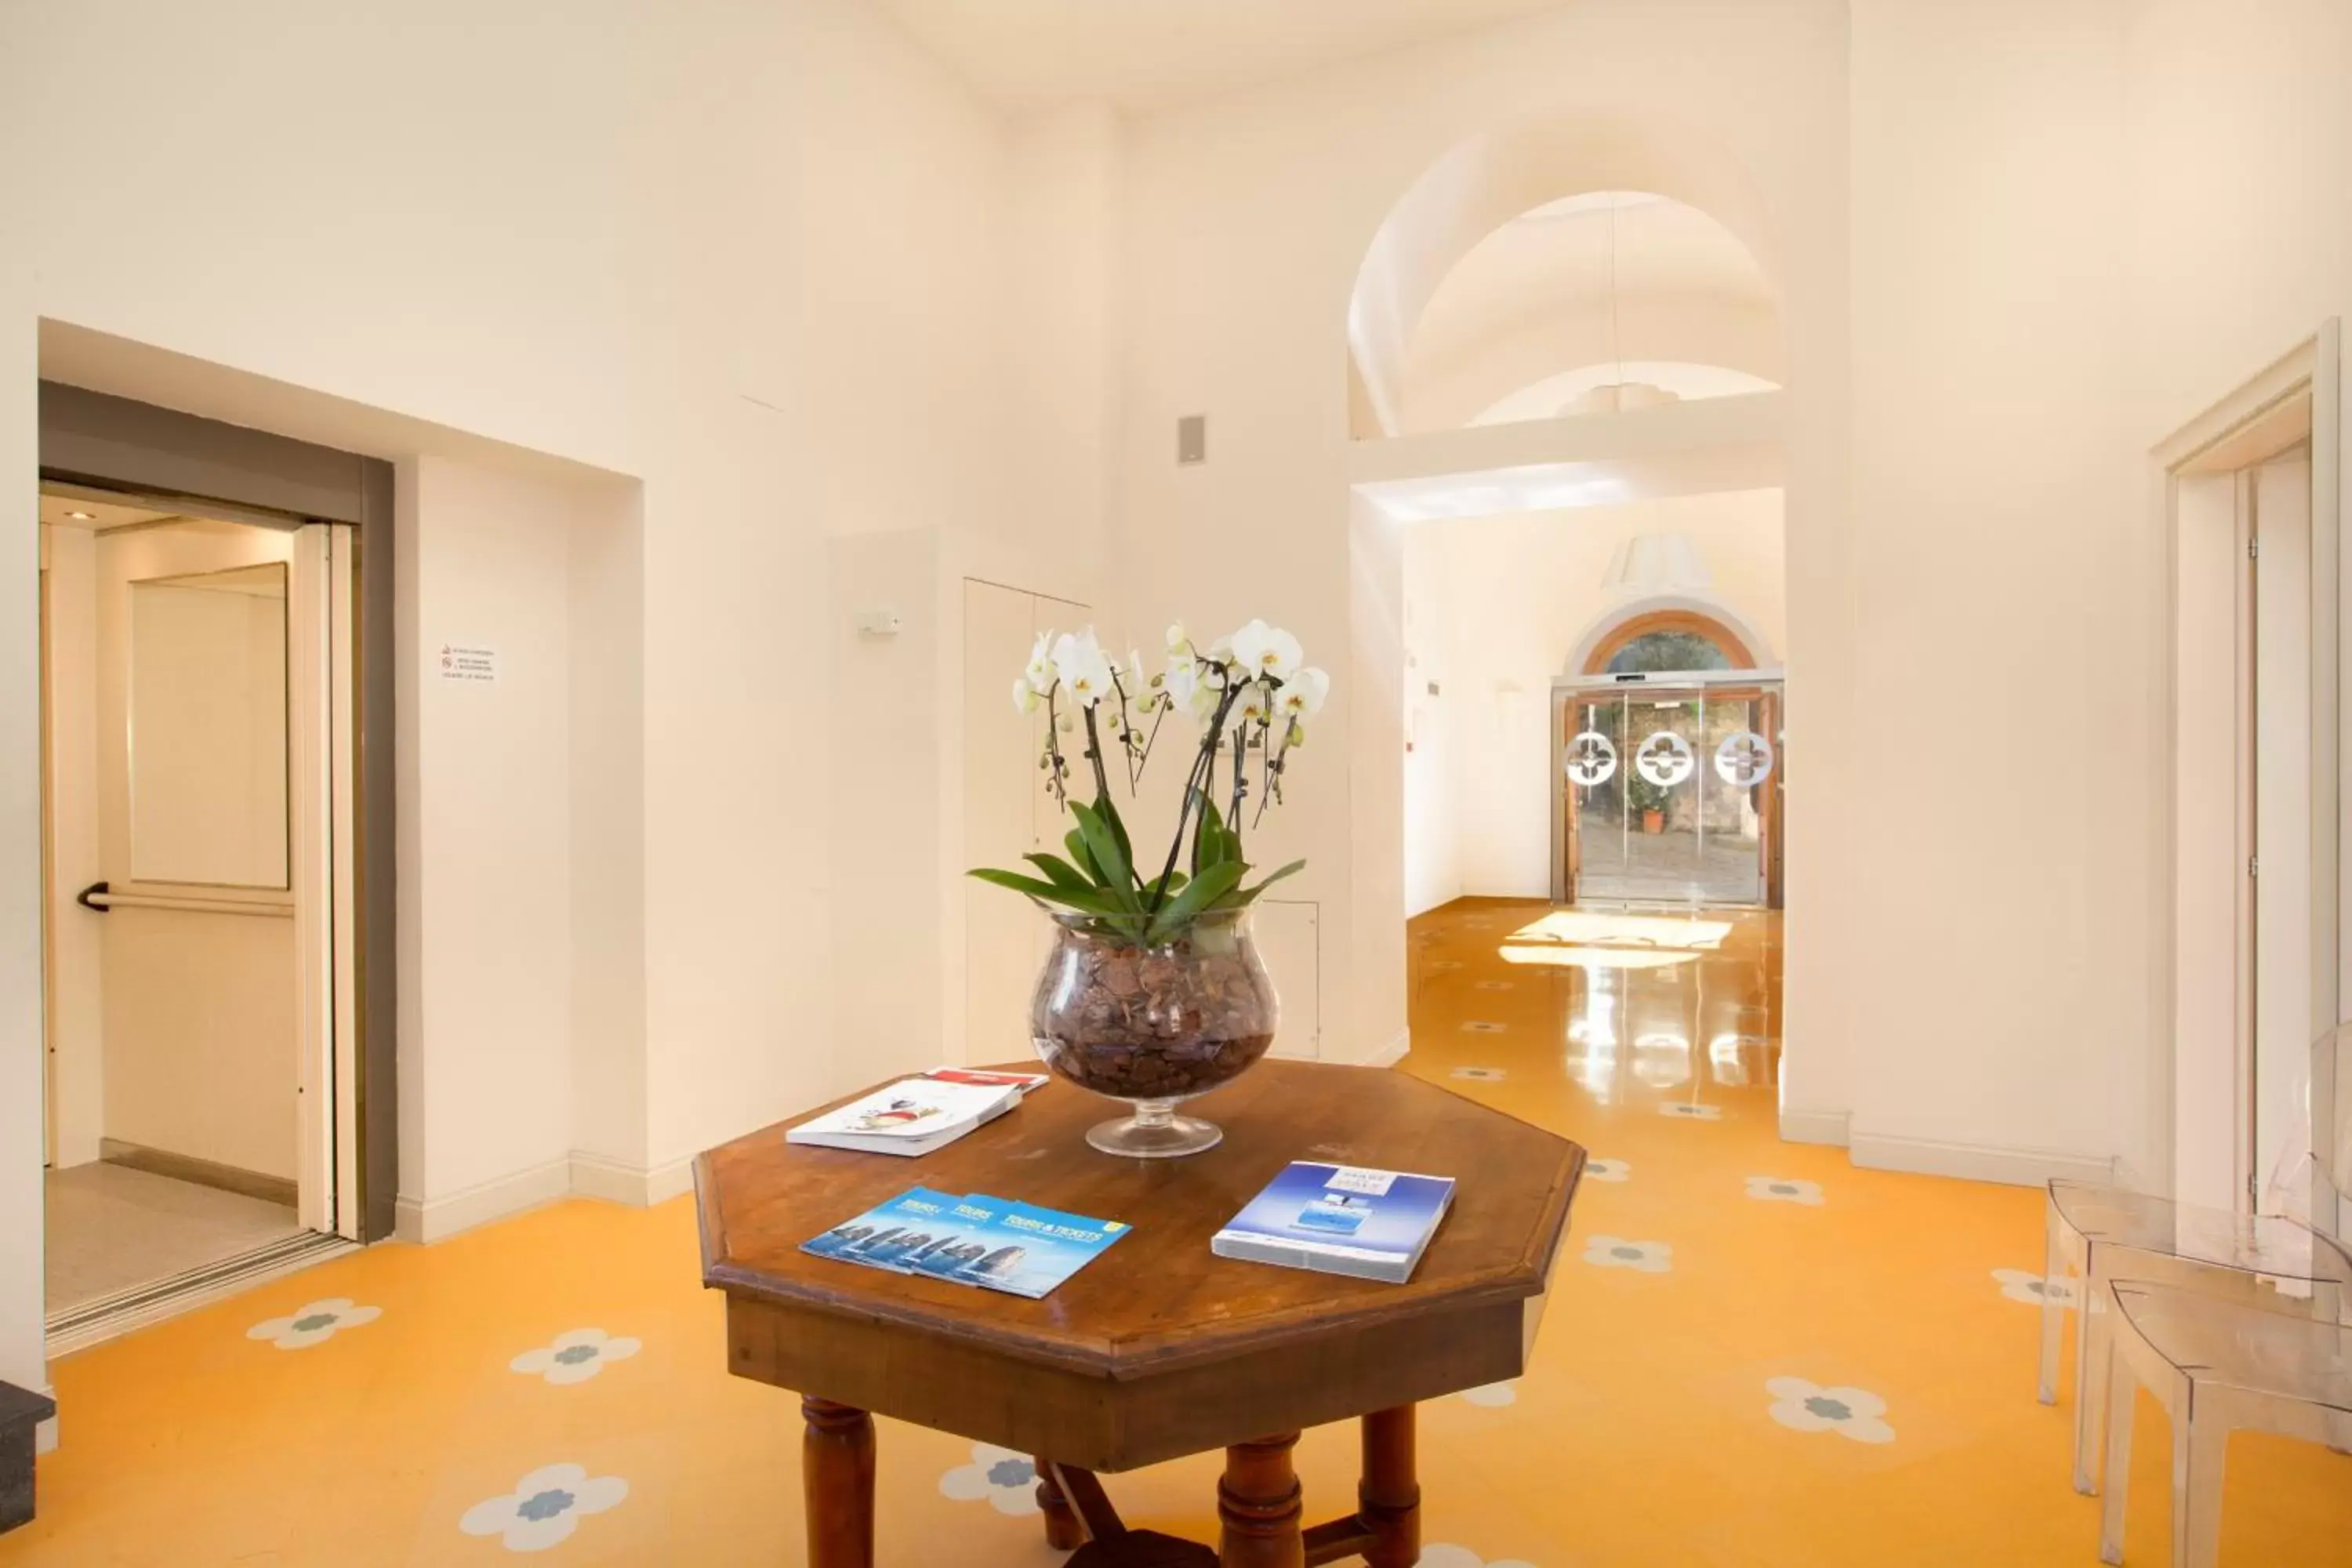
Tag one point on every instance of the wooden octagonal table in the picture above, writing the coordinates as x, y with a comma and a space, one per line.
1158, 1348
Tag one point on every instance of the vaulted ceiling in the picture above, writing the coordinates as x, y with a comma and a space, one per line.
1146, 54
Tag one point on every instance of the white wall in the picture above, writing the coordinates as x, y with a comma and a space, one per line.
747, 256
1991, 468
1433, 824
486, 1088
2240, 149
1248, 221
1504, 603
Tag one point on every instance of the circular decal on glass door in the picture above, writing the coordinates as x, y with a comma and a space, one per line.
1745, 759
1591, 760
1665, 758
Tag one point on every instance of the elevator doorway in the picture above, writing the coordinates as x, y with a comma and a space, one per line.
1668, 789
199, 808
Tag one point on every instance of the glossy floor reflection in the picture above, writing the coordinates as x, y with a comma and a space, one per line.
1754, 1355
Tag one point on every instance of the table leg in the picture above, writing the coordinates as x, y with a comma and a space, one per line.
837, 1482
1389, 1497
1258, 1506
1063, 1530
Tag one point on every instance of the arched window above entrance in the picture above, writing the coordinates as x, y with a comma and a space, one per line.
1669, 640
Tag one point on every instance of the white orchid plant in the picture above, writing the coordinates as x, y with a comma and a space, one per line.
1253, 695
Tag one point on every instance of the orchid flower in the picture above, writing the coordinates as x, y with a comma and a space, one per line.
1263, 650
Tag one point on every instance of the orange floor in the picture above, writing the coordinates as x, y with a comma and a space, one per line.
1730, 1372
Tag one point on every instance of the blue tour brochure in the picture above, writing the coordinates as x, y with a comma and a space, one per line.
963, 1238
884, 1236
1031, 1250
1340, 1219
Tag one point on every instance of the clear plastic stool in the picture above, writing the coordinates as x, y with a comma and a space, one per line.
2098, 1235
2216, 1368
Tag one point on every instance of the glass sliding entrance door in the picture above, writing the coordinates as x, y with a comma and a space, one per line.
1667, 791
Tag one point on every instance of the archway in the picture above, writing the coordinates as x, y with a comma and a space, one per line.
1664, 624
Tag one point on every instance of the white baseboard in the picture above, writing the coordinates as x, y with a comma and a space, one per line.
1398, 1047
1815, 1127
437, 1219
1976, 1162
576, 1175
618, 1182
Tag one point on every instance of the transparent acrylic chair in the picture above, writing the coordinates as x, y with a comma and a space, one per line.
2216, 1367
2098, 1235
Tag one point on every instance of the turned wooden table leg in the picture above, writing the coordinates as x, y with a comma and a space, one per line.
1258, 1506
837, 1482
1389, 1497
1063, 1530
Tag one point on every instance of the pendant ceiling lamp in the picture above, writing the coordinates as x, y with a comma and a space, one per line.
1617, 395
1652, 565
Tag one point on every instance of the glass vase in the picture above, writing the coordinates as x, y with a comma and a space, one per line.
1153, 1025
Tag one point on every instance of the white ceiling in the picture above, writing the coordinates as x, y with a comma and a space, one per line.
1146, 54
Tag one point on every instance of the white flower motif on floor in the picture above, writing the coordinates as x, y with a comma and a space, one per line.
576, 1356
1482, 1028
1437, 964
1607, 1170
1005, 1480
545, 1507
2022, 1285
1616, 1252
1854, 1412
1445, 1554
313, 1323
1493, 1395
1480, 1075
1492, 985
1784, 1190
1688, 1110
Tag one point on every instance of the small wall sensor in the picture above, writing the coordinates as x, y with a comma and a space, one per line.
1192, 438
880, 622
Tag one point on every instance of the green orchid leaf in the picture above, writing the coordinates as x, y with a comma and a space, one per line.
1185, 907
1249, 895
1209, 843
1075, 843
1087, 900
1060, 872
1118, 874
1108, 811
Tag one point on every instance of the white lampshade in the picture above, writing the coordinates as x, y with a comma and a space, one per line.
1649, 564
1617, 397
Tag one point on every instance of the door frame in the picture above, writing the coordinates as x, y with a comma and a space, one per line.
1768, 686
121, 449
2201, 978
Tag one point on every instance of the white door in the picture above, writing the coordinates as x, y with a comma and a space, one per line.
224, 702
1007, 813
2278, 499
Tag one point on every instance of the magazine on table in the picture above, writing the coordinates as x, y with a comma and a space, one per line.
913, 1116
1340, 1219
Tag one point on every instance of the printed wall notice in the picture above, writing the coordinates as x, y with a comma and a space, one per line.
479, 665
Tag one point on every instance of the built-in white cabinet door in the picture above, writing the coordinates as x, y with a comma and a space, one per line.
1007, 813
1000, 775
1288, 939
